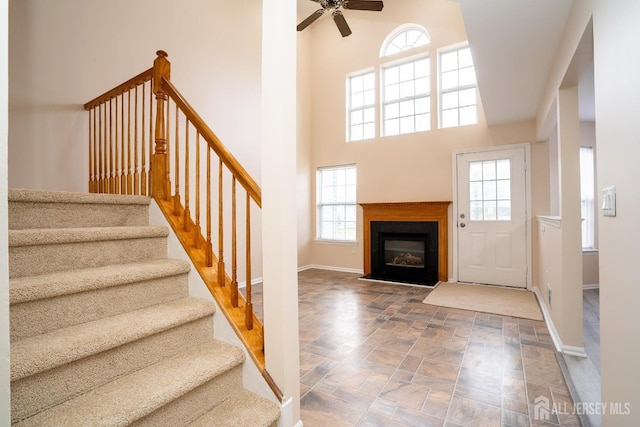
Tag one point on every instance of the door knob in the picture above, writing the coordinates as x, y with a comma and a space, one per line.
463, 225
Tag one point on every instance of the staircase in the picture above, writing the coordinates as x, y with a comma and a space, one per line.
103, 330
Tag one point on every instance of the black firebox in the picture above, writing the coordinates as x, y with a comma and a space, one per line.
404, 251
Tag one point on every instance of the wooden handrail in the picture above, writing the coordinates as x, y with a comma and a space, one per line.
229, 160
118, 164
141, 78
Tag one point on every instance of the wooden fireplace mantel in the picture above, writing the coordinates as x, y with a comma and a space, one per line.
409, 211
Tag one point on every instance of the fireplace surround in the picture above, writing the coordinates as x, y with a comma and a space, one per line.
406, 242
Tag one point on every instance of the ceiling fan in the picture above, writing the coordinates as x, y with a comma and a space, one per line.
334, 6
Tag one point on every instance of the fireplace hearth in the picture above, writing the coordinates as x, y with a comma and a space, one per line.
406, 242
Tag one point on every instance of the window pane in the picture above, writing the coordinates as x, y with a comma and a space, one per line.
369, 131
422, 68
503, 168
357, 117
369, 81
489, 190
392, 111
475, 210
467, 76
449, 118
357, 100
391, 75
368, 115
468, 116
406, 108
504, 210
489, 212
489, 170
464, 57
449, 79
369, 97
422, 86
357, 84
392, 92
475, 190
356, 133
449, 100
405, 40
475, 171
423, 105
467, 97
407, 89
504, 190
449, 61
423, 122
407, 125
406, 72
392, 127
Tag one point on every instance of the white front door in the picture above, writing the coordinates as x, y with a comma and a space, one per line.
491, 217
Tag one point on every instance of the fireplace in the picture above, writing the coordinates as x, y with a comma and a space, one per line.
404, 251
406, 242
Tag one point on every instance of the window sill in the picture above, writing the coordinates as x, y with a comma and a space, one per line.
336, 242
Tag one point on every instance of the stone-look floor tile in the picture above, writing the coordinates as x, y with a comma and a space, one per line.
412, 417
320, 409
514, 419
434, 383
371, 419
405, 394
547, 374
481, 381
386, 357
437, 404
439, 370
383, 407
478, 395
468, 412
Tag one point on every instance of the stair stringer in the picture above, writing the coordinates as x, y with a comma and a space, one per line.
251, 376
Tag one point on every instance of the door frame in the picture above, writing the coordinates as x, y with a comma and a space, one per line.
454, 220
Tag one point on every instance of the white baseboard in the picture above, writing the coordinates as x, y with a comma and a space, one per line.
253, 282
330, 268
555, 337
591, 286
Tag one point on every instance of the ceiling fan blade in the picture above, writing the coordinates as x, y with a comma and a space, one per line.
374, 5
310, 20
341, 23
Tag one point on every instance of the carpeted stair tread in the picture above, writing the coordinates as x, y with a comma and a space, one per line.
47, 351
50, 285
44, 196
52, 236
243, 409
134, 396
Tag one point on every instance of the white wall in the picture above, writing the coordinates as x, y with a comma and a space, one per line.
5, 393
616, 32
64, 53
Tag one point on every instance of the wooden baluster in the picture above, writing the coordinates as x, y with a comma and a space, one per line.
96, 180
143, 150
118, 155
90, 140
176, 145
168, 178
234, 246
123, 165
107, 152
100, 150
196, 230
129, 153
136, 175
248, 315
187, 211
112, 180
150, 137
161, 68
221, 278
209, 248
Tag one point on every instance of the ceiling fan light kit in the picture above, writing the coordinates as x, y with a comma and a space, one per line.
334, 8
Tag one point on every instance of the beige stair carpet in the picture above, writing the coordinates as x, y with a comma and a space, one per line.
487, 299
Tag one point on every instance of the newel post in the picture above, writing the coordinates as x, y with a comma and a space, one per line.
159, 164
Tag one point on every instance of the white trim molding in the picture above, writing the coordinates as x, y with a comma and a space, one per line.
330, 268
555, 337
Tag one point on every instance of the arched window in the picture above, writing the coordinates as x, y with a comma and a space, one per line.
405, 37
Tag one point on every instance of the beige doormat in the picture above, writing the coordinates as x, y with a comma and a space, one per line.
487, 299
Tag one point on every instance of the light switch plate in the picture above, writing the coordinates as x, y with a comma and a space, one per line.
609, 201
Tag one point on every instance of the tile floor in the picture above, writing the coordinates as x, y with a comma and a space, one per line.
372, 354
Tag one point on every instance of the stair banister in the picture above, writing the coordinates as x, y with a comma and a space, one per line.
111, 171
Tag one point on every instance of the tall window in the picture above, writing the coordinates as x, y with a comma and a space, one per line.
458, 93
407, 105
336, 195
361, 100
587, 184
